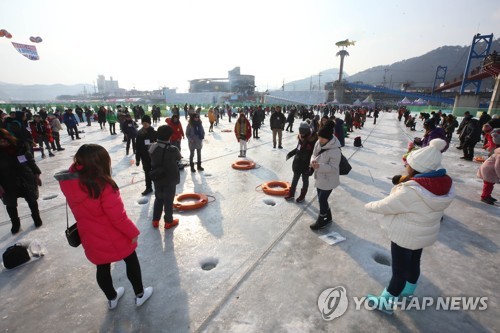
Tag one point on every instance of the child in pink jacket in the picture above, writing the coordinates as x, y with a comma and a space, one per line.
489, 171
106, 232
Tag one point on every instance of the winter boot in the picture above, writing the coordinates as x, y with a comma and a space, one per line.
192, 167
291, 195
35, 213
321, 222
384, 302
37, 220
14, 218
244, 153
329, 216
172, 224
408, 290
51, 154
147, 191
241, 153
199, 167
302, 195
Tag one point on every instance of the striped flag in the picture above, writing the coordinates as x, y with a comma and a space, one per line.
29, 51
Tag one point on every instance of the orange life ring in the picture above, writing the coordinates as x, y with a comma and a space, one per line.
243, 165
276, 188
479, 159
201, 200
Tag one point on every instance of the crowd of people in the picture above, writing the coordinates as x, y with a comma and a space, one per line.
317, 154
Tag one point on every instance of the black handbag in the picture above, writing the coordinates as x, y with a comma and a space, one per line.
344, 166
15, 255
72, 234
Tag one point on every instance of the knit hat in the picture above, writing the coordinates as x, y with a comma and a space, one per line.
304, 128
495, 135
431, 123
327, 130
146, 119
427, 159
164, 132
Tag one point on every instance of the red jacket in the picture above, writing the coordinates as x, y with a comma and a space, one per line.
178, 132
105, 230
45, 128
247, 130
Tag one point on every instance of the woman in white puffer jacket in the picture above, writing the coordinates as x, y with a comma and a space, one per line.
412, 214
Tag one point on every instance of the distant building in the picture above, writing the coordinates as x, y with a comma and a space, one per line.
107, 87
243, 85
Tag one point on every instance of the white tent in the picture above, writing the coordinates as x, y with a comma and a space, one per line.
405, 101
420, 101
368, 101
357, 103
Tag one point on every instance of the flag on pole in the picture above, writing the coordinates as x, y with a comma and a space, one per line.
29, 51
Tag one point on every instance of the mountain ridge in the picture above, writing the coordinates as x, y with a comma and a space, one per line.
416, 72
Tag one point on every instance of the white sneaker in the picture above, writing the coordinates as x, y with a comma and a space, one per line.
146, 295
119, 293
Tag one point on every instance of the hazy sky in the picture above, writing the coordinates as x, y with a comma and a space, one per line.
148, 44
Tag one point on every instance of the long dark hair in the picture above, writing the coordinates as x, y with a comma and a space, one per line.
93, 164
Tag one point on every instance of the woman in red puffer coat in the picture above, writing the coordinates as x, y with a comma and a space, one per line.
106, 232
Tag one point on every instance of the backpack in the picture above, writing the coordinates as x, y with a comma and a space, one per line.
357, 142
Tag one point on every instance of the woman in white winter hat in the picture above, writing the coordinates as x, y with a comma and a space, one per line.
412, 214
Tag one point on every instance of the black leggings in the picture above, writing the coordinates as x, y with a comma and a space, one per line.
405, 267
295, 180
105, 281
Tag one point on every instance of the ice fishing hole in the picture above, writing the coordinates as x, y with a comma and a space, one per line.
50, 196
382, 259
142, 201
209, 264
269, 202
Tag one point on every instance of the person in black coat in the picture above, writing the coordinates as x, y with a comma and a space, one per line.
129, 128
339, 130
256, 124
463, 124
290, 119
164, 156
145, 138
300, 166
471, 135
101, 117
277, 122
19, 178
